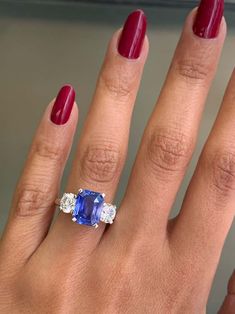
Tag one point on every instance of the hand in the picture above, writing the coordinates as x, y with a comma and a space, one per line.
143, 263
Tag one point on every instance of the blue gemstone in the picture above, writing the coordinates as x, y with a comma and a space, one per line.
88, 208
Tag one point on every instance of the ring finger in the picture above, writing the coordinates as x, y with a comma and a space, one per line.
103, 143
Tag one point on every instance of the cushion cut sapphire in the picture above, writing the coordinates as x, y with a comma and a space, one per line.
88, 208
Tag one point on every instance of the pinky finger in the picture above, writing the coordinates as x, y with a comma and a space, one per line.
33, 202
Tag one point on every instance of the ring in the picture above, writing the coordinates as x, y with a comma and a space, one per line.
87, 207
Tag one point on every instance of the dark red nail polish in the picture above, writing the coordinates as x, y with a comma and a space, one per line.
208, 19
133, 33
63, 105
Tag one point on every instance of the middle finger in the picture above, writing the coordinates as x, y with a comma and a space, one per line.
170, 136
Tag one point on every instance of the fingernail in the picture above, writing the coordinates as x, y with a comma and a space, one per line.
133, 33
208, 19
63, 105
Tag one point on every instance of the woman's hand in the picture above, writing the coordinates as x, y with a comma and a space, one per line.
143, 263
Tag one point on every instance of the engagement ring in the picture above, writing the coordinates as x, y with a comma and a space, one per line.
87, 208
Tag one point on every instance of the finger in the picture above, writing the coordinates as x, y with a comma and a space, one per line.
103, 144
170, 136
209, 206
228, 306
33, 203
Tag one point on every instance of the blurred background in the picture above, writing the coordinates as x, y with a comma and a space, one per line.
45, 44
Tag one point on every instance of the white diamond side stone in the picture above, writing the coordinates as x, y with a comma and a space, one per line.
108, 213
67, 203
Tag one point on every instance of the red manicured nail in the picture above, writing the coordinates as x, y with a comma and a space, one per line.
208, 19
132, 37
63, 105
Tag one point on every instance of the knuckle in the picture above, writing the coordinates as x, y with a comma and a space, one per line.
168, 150
119, 83
193, 70
32, 200
221, 164
100, 163
47, 150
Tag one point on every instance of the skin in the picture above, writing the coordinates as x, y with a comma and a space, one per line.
143, 263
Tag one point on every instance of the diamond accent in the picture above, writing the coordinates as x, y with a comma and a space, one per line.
108, 213
67, 203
